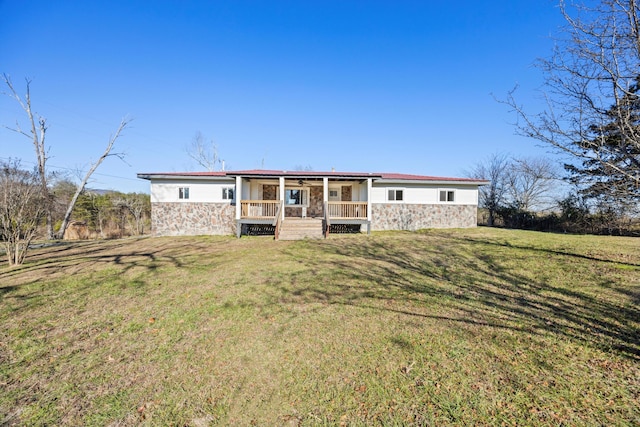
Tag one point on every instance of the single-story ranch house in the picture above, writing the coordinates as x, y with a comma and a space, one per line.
296, 204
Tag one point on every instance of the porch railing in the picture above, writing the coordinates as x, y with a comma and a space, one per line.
277, 221
259, 208
265, 209
348, 210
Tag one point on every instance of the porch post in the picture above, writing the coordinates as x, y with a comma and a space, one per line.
281, 179
325, 189
369, 205
238, 197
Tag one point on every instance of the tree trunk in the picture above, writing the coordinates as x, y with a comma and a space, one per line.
37, 136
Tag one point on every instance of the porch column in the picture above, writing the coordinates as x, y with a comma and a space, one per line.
369, 181
325, 189
369, 205
238, 197
281, 179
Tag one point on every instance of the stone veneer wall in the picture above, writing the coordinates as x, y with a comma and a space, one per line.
270, 192
192, 219
346, 193
400, 216
315, 202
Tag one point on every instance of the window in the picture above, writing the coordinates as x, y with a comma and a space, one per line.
295, 197
333, 193
183, 193
227, 193
447, 195
396, 195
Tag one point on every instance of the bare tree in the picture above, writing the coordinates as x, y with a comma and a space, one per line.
36, 133
492, 196
589, 85
204, 153
531, 182
137, 205
107, 153
21, 209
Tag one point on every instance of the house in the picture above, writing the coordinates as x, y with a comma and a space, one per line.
292, 204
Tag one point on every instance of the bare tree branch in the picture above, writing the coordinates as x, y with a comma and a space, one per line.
591, 80
204, 154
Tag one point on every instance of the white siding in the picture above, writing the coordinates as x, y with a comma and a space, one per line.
256, 190
357, 192
363, 191
425, 194
199, 191
246, 190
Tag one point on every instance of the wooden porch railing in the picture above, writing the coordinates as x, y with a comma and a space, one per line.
266, 209
277, 221
348, 210
259, 208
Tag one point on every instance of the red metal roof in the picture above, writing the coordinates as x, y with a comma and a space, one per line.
274, 173
262, 172
409, 177
185, 174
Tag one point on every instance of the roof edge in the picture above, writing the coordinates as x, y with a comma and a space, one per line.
390, 178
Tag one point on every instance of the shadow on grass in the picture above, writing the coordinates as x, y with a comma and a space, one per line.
90, 256
467, 281
62, 261
547, 251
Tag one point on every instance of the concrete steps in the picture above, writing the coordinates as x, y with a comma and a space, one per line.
300, 228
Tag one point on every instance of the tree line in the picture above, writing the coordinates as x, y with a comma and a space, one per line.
534, 194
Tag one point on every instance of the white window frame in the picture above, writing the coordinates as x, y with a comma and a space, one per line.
304, 194
183, 193
225, 193
395, 195
447, 193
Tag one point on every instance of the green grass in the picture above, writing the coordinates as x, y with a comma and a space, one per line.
456, 327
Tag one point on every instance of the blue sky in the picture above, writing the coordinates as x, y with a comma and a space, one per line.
362, 86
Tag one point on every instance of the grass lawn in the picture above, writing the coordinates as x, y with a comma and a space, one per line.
455, 327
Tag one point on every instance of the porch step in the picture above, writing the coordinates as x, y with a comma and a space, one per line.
300, 228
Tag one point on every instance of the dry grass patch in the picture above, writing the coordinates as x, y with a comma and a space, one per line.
441, 327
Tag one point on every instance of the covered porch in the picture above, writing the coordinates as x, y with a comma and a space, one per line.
275, 201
